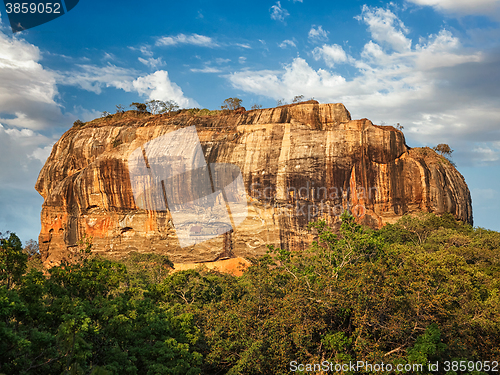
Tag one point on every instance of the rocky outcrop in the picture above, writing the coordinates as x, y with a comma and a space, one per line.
298, 163
234, 266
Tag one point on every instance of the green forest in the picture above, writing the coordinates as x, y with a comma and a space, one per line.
424, 290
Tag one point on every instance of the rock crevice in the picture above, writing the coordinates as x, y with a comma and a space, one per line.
299, 163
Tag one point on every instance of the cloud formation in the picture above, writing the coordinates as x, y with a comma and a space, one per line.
244, 45
438, 89
207, 69
152, 62
331, 54
193, 39
278, 13
28, 91
386, 28
94, 78
23, 153
317, 34
286, 43
489, 8
158, 86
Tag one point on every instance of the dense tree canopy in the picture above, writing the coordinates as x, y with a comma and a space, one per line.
422, 290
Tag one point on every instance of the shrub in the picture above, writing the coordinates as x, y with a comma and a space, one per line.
140, 107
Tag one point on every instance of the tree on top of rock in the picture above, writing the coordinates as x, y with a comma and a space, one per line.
443, 149
140, 107
169, 106
231, 104
445, 152
155, 106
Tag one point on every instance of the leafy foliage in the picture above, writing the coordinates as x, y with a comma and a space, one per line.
84, 318
422, 290
78, 123
13, 261
140, 107
154, 106
169, 106
158, 106
443, 149
231, 104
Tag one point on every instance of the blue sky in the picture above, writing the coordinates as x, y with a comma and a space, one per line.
430, 65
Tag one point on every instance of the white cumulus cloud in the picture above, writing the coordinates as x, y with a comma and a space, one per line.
331, 54
439, 90
27, 89
386, 28
158, 86
93, 78
297, 77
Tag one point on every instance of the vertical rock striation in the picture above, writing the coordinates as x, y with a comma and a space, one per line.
299, 163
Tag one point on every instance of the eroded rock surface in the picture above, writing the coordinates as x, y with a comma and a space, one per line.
298, 162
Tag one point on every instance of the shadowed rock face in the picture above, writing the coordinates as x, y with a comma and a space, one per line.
299, 163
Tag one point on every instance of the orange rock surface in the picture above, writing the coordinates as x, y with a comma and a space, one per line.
233, 266
299, 163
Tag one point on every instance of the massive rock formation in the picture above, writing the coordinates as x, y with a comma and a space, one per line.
298, 162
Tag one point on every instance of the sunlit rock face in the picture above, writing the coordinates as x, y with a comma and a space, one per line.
297, 163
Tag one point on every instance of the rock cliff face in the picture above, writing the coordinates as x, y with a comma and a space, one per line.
299, 163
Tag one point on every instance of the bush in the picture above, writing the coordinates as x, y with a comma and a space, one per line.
140, 107
78, 123
204, 112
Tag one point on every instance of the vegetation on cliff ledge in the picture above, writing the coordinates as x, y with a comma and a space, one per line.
424, 289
